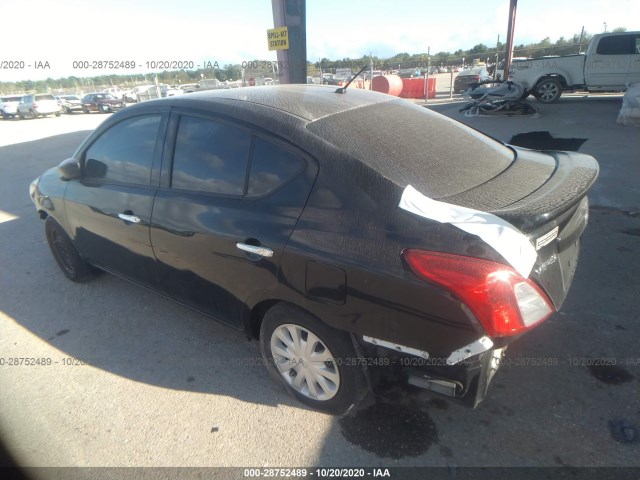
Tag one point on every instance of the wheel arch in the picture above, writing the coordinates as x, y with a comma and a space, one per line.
254, 315
556, 76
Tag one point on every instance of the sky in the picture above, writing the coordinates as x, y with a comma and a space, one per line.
59, 32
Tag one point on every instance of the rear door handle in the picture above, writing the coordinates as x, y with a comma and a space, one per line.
262, 251
129, 218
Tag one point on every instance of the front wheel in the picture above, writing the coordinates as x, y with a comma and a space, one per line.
548, 90
315, 363
65, 254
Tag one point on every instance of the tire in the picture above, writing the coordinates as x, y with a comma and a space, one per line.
85, 109
34, 114
65, 254
548, 90
329, 380
57, 114
20, 115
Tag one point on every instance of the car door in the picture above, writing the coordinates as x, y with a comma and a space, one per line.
109, 207
634, 66
608, 66
24, 105
228, 202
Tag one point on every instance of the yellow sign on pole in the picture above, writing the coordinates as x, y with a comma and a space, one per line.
278, 38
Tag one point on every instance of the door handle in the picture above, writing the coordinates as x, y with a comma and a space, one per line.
129, 218
262, 251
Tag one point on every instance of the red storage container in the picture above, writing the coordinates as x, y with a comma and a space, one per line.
414, 87
389, 84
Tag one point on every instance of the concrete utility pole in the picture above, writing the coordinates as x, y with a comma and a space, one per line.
513, 5
292, 62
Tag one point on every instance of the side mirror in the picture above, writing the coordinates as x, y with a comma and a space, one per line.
69, 169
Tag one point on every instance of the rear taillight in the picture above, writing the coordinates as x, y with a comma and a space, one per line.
502, 300
477, 77
35, 105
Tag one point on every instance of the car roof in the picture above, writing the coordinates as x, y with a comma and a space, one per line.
308, 102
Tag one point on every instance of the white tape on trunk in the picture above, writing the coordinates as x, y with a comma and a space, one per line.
506, 239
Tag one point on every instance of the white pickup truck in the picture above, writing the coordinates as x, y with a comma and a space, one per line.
611, 63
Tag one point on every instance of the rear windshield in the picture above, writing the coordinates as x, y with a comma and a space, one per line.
411, 145
44, 97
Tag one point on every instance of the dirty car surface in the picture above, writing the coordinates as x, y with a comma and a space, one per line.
345, 232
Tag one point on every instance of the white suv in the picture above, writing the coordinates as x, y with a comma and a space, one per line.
34, 105
9, 105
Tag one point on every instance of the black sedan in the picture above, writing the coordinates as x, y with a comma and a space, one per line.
468, 78
101, 102
349, 245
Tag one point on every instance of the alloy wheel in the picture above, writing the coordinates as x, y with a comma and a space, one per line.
548, 91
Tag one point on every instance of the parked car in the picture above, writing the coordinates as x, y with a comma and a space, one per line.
611, 63
71, 103
101, 102
9, 105
36, 105
344, 250
142, 93
467, 78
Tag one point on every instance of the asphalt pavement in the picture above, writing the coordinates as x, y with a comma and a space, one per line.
127, 378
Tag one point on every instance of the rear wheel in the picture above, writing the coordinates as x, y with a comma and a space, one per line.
548, 90
20, 115
65, 254
85, 109
315, 363
34, 114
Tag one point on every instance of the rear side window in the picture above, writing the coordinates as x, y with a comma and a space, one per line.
617, 45
124, 153
271, 166
210, 157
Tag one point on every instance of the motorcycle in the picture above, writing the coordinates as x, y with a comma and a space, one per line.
505, 98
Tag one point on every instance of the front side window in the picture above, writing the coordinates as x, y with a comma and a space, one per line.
124, 153
616, 45
210, 157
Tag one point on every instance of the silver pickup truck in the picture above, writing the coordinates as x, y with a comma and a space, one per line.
611, 63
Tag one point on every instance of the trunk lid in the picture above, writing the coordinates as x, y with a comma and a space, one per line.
543, 194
